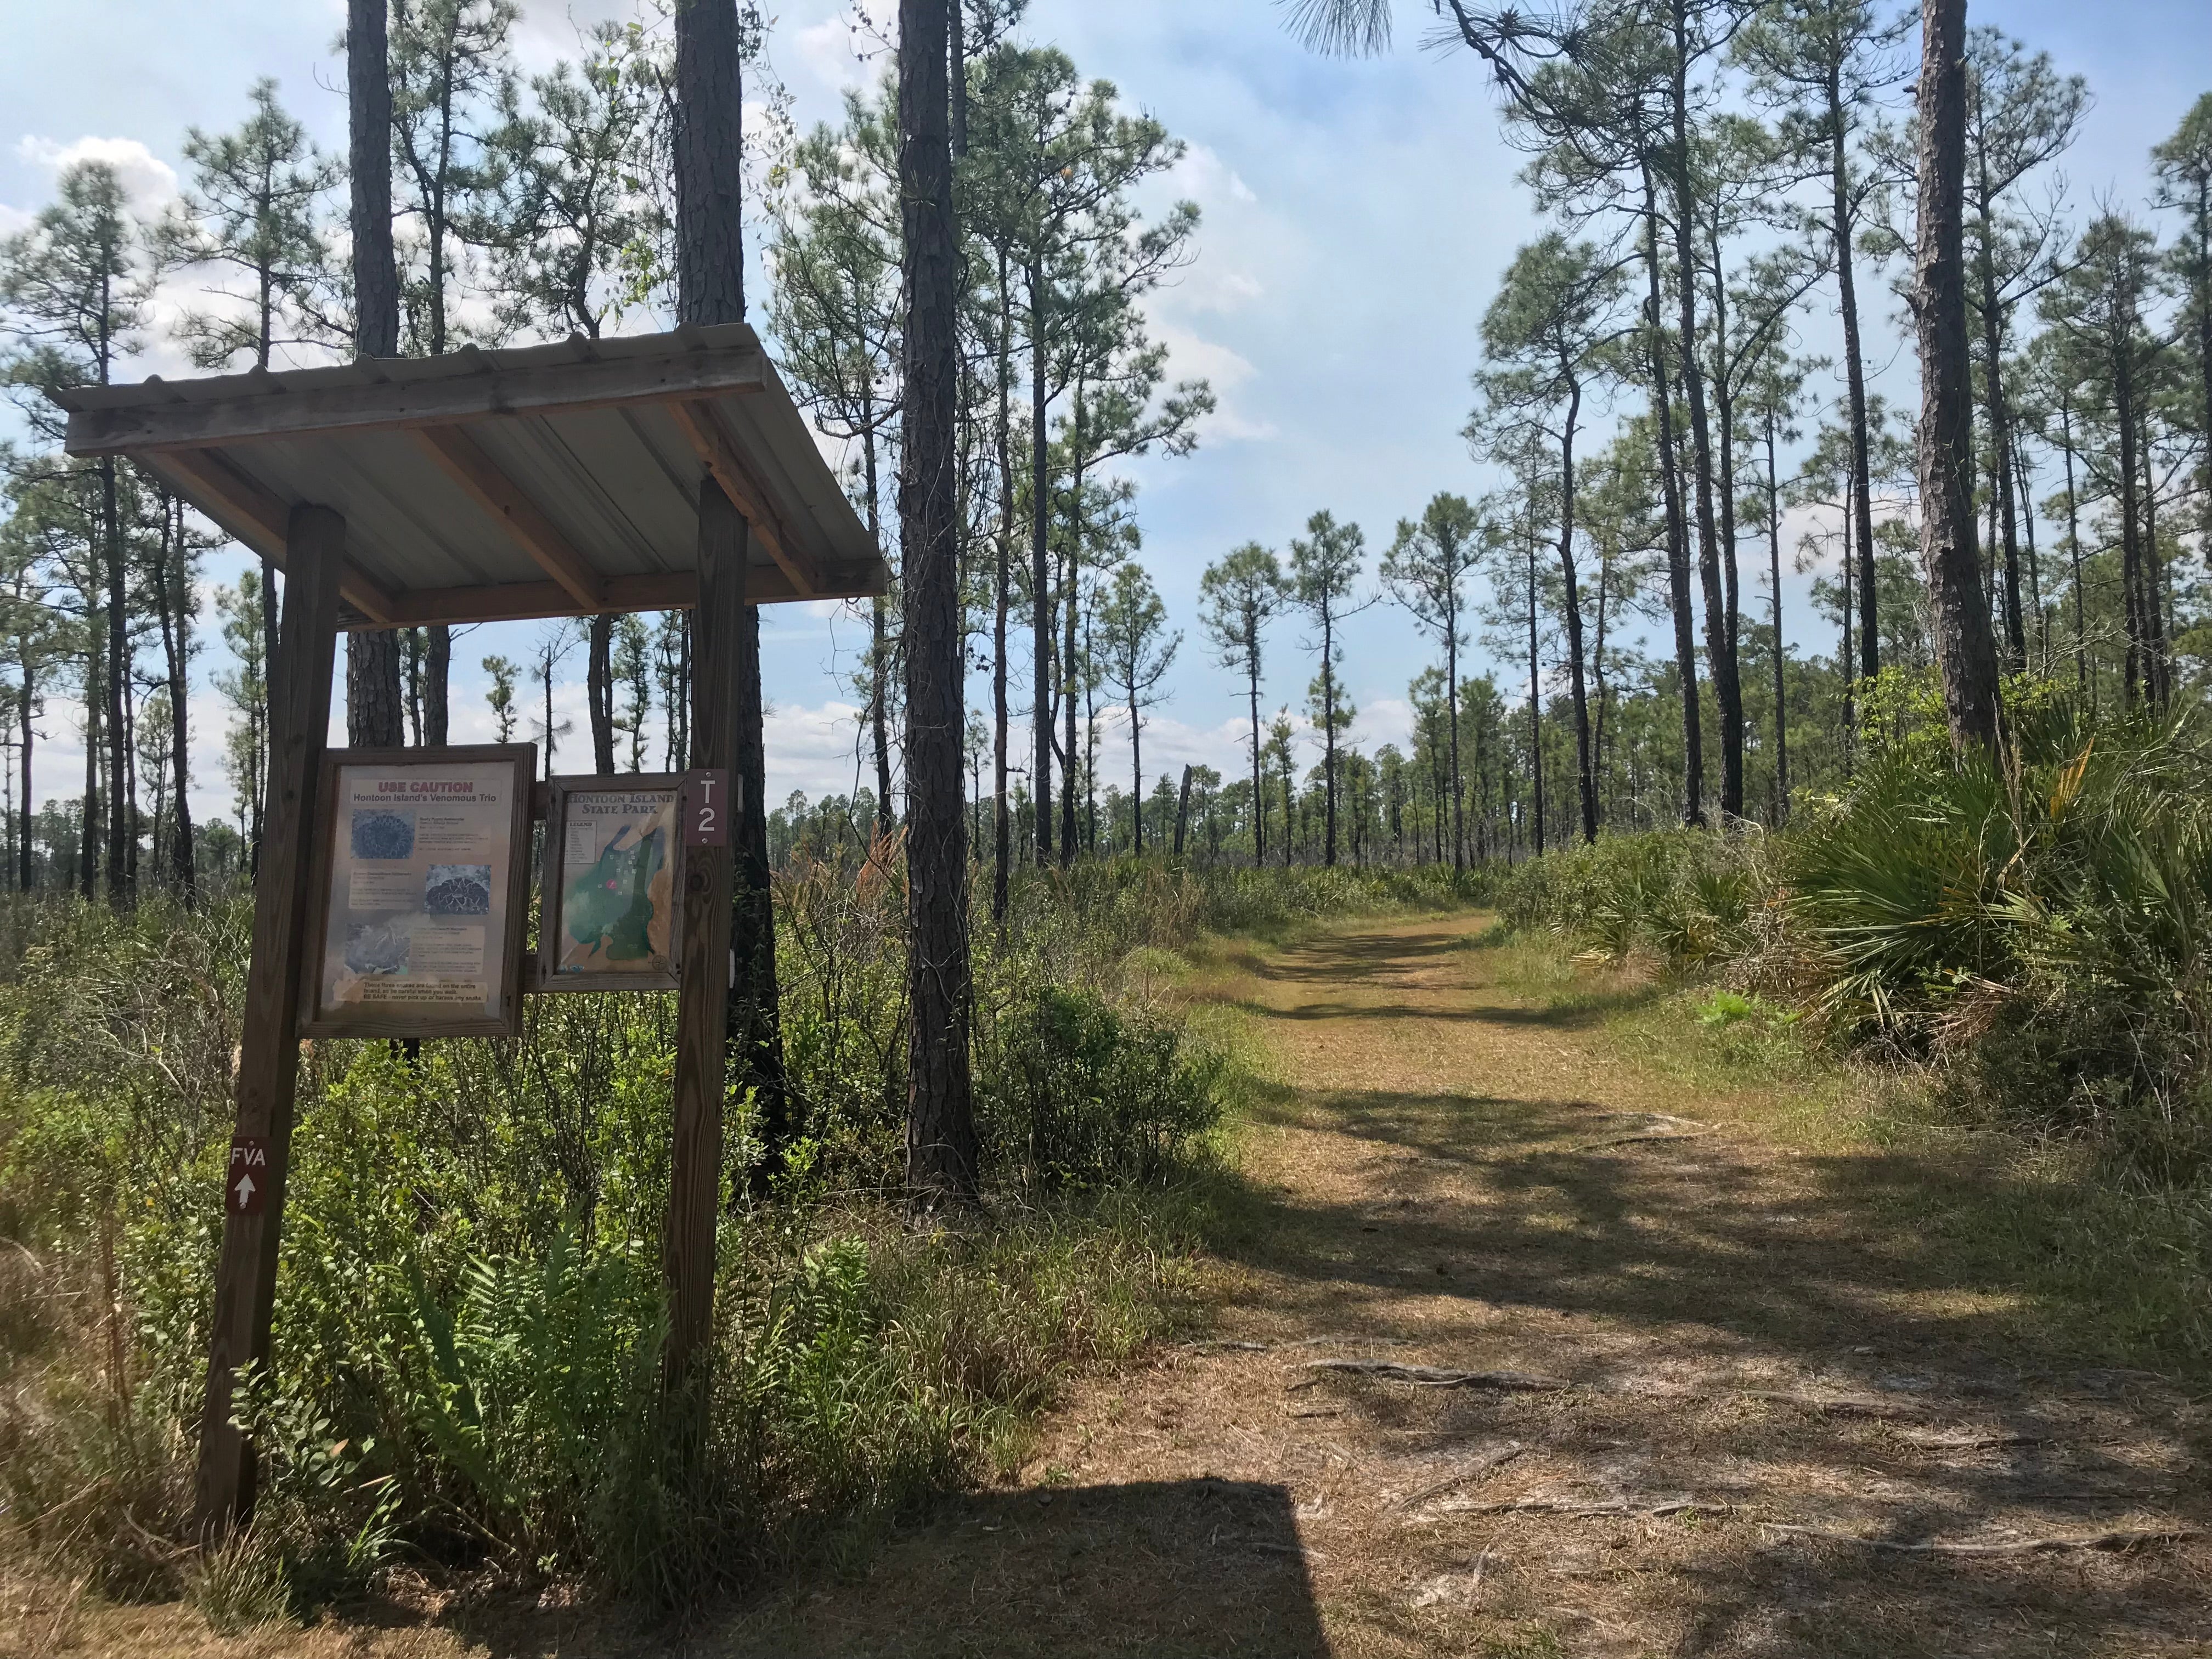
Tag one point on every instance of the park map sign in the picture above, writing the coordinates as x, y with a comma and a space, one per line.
612, 884
422, 884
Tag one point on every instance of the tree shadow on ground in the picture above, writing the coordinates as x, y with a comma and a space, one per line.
1673, 1279
1535, 1207
1165, 1570
1150, 1570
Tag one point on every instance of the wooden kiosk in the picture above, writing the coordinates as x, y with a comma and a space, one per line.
651, 472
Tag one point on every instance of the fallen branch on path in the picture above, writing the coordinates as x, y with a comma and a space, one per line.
1968, 1439
1578, 1509
1649, 1126
1433, 1377
1466, 1474
1828, 1405
1643, 1140
2140, 1538
1437, 1377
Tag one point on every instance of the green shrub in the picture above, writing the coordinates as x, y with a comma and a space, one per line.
1688, 897
469, 1303
1076, 1092
2038, 924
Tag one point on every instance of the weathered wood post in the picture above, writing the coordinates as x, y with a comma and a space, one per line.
703, 974
269, 1054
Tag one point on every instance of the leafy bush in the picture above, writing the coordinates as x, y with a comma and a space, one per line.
2038, 923
1075, 1092
469, 1299
1689, 898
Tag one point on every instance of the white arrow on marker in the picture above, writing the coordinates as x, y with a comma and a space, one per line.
245, 1190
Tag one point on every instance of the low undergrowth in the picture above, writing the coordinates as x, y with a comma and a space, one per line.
2107, 1251
470, 1307
2033, 928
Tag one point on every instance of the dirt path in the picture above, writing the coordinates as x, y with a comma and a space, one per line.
1684, 1339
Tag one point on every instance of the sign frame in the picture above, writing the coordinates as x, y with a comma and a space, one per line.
424, 1020
552, 877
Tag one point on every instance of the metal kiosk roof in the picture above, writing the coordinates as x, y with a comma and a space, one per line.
484, 486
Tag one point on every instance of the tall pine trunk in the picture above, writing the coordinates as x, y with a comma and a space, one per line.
941, 1147
1329, 732
1451, 712
176, 649
1847, 300
1966, 648
373, 698
26, 702
1259, 789
88, 833
709, 154
1774, 577
1993, 392
1071, 604
121, 838
1677, 535
1720, 642
1585, 760
599, 690
1535, 702
1002, 821
1040, 572
879, 670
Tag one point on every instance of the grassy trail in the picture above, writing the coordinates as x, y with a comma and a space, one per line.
1644, 1317
1691, 1327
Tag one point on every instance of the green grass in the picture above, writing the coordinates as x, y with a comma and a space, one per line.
2106, 1269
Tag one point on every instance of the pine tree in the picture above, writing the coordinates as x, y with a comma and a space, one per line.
1963, 644
1424, 571
1138, 651
1325, 568
941, 1147
1241, 593
76, 287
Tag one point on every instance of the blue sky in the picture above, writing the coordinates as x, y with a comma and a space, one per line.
1357, 217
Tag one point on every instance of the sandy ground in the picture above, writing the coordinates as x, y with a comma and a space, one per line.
1673, 1341
1520, 1352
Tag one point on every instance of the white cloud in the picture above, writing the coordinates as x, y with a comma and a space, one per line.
148, 180
830, 50
549, 29
821, 750
1203, 177
1206, 288
1191, 357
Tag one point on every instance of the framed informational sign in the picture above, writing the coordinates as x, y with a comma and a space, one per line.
613, 884
420, 894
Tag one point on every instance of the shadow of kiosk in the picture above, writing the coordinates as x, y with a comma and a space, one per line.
660, 471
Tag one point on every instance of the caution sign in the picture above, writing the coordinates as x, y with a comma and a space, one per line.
247, 1192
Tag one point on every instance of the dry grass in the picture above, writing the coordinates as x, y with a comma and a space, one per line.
1452, 1160
1747, 1275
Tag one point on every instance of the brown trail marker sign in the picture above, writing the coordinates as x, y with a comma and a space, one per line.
247, 1192
707, 808
652, 472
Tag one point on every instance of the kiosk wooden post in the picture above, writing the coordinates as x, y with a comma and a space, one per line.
704, 993
268, 1056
